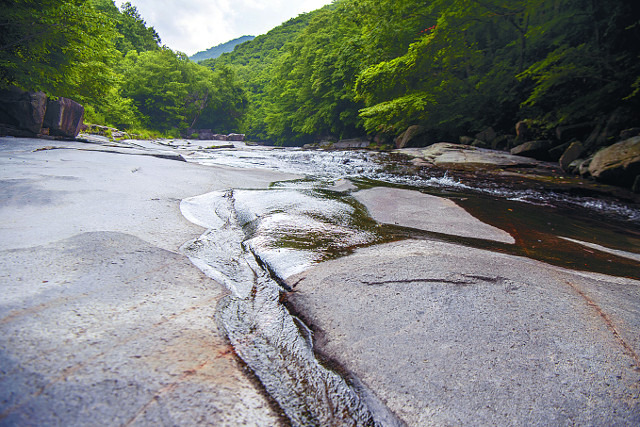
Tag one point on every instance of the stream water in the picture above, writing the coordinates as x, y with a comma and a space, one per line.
258, 238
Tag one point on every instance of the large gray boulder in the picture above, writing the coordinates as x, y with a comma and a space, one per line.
445, 154
618, 164
352, 143
21, 112
573, 152
487, 135
525, 130
534, 149
63, 117
235, 137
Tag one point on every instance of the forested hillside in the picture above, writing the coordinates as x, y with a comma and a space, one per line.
453, 67
353, 68
216, 51
112, 62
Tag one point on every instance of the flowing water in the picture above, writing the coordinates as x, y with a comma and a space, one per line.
258, 238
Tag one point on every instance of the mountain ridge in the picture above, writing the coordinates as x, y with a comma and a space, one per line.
216, 51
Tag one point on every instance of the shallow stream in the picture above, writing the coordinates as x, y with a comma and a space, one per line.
258, 238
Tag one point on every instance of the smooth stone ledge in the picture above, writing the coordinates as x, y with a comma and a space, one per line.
451, 335
414, 209
444, 153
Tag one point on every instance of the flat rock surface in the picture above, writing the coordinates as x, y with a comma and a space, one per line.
444, 153
450, 335
102, 320
425, 212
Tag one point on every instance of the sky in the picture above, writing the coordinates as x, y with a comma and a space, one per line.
190, 26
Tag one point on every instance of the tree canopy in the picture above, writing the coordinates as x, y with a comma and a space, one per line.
352, 68
453, 67
112, 62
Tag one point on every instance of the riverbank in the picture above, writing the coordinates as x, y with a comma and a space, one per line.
102, 319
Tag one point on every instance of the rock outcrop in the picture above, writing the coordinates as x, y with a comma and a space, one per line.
30, 114
21, 113
447, 155
235, 137
535, 149
351, 143
572, 153
63, 117
618, 164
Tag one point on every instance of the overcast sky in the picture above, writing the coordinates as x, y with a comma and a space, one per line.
194, 25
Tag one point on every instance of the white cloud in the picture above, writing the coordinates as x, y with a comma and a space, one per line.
193, 25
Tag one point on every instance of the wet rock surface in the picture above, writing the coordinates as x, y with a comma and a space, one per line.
455, 328
447, 335
426, 212
102, 320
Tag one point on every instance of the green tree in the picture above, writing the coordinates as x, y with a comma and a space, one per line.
63, 47
171, 92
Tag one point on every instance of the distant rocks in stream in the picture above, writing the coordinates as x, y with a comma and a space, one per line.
606, 150
208, 135
33, 114
618, 164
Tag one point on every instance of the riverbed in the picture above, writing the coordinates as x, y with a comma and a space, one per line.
296, 234
357, 287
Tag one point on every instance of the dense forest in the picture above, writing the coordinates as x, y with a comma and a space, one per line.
113, 63
454, 67
353, 68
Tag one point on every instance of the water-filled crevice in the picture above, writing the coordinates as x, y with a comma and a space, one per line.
244, 249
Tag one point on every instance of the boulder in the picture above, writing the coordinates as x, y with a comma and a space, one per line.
579, 130
63, 117
535, 149
352, 143
487, 135
446, 154
235, 137
381, 139
525, 130
466, 140
583, 168
556, 152
503, 142
574, 167
480, 143
410, 137
607, 129
205, 134
629, 133
572, 153
618, 164
21, 112
219, 137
